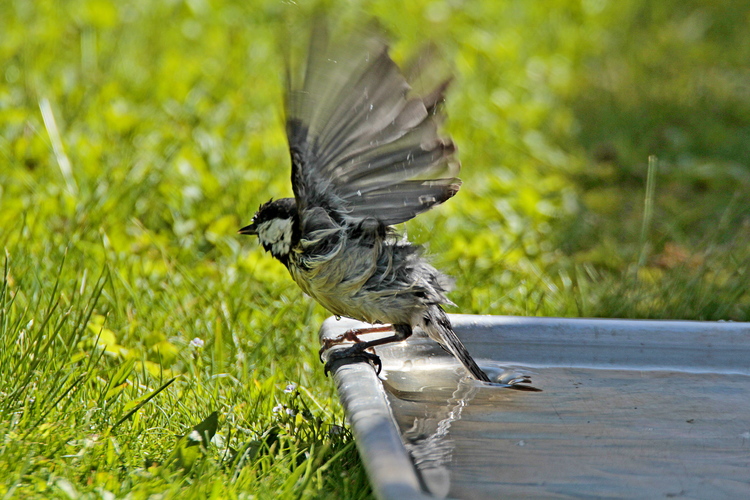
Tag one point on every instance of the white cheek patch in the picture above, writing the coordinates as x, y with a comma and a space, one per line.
276, 234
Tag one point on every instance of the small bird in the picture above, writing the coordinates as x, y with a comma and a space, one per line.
366, 155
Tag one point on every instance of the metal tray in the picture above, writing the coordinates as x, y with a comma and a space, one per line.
629, 409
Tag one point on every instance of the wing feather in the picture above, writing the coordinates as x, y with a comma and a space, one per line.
361, 144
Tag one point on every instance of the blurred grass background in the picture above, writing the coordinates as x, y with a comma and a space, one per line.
136, 138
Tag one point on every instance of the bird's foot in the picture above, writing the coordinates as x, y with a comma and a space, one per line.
347, 336
354, 354
351, 336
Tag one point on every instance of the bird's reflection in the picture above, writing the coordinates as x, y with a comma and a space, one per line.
427, 402
428, 439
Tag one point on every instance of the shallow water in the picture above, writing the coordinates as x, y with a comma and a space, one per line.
618, 433
629, 409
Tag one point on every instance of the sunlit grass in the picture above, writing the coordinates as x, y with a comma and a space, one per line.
136, 138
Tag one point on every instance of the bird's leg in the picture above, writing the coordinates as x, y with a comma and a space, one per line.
358, 352
351, 336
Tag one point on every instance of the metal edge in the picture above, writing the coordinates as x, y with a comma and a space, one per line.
386, 460
483, 321
694, 346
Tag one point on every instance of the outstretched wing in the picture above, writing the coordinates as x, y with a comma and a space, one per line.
361, 144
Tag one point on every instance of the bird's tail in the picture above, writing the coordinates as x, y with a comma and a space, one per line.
438, 327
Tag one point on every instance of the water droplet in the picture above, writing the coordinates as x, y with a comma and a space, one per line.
338, 318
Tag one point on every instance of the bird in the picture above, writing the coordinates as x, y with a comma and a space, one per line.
366, 155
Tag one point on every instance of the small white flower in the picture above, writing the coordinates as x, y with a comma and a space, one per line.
290, 388
291, 411
277, 408
197, 342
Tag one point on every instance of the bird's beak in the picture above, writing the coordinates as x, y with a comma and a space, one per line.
249, 229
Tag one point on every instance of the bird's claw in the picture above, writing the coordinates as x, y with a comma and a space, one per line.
349, 335
322, 351
353, 354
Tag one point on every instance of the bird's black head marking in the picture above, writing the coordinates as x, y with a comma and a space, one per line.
285, 208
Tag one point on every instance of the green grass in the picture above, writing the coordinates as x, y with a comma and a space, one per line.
137, 137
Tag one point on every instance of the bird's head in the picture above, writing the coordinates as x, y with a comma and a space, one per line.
275, 225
